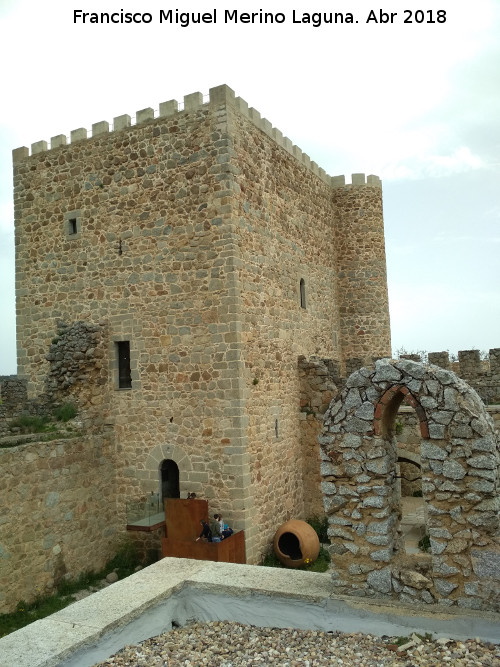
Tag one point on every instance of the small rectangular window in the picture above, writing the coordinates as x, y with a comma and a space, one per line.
302, 289
73, 225
124, 374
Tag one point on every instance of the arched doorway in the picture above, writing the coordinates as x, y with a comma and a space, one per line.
169, 478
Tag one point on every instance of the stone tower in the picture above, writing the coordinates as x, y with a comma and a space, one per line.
212, 253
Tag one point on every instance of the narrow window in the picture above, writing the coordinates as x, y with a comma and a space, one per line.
302, 293
73, 224
124, 375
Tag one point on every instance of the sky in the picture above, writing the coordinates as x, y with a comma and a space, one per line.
414, 100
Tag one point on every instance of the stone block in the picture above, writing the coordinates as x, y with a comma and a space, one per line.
58, 140
169, 108
121, 122
100, 128
221, 95
380, 580
358, 179
78, 135
143, 115
193, 101
38, 147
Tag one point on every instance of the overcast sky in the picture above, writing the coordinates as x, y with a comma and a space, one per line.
416, 103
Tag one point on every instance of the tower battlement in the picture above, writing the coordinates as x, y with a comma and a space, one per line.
218, 96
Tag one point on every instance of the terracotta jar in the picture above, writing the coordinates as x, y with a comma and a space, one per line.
295, 543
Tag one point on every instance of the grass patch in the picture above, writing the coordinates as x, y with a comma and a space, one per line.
321, 564
320, 525
123, 563
28, 613
425, 544
33, 424
65, 412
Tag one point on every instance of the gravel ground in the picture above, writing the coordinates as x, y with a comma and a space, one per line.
227, 644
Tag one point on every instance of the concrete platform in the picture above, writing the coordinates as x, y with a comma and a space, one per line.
178, 590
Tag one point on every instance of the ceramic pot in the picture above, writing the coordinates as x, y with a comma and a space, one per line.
296, 542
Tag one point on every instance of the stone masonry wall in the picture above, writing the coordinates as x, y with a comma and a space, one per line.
58, 516
284, 220
319, 381
484, 376
153, 255
188, 235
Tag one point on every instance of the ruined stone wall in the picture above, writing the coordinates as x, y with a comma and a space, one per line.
460, 455
58, 514
482, 375
319, 381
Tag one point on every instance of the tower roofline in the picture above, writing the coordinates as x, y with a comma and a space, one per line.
218, 96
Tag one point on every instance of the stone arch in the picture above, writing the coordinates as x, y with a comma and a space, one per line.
388, 406
459, 459
408, 456
160, 453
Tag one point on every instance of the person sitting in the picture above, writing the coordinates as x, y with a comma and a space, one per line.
206, 533
225, 531
215, 527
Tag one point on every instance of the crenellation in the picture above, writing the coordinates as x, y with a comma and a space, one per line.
20, 154
441, 359
78, 135
144, 115
58, 140
38, 147
102, 127
242, 106
255, 117
470, 363
374, 180
219, 95
193, 101
169, 108
358, 179
495, 361
266, 126
121, 122
483, 375
277, 136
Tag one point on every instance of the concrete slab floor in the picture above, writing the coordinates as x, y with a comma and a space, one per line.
179, 590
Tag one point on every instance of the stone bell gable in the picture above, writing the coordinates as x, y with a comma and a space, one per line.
459, 458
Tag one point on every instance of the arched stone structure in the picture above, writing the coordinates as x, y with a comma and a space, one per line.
460, 484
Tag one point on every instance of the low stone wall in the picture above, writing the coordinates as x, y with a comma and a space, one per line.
58, 515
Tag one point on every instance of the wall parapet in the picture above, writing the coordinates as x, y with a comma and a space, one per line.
218, 96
